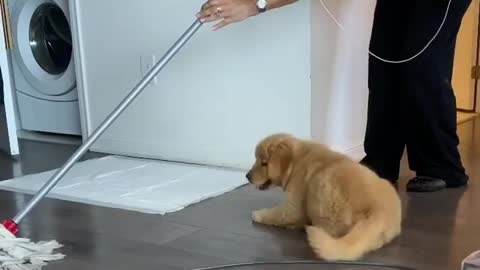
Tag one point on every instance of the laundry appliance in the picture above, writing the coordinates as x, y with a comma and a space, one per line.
43, 66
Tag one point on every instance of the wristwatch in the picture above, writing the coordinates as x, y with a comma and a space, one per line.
262, 6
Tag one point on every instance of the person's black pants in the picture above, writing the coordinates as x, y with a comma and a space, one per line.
2, 92
412, 104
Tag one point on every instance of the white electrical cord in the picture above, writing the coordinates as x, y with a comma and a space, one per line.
394, 61
363, 265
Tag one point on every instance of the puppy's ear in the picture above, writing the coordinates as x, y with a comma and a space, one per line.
261, 154
279, 164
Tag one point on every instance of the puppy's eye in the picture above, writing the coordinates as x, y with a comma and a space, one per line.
264, 163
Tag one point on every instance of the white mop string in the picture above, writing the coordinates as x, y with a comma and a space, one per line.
396, 61
22, 254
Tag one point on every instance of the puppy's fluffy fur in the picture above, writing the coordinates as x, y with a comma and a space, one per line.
346, 209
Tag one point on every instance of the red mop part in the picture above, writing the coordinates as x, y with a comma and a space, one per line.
11, 226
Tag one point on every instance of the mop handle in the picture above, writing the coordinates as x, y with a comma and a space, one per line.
108, 121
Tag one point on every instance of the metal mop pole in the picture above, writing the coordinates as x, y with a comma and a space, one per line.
11, 225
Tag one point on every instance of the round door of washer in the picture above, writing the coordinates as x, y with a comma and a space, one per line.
43, 46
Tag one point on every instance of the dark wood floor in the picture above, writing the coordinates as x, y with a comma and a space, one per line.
440, 229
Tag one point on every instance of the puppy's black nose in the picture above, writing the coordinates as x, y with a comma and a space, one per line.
249, 176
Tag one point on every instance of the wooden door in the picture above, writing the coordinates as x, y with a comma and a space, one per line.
465, 64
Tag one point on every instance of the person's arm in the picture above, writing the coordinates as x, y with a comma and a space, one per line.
272, 4
230, 11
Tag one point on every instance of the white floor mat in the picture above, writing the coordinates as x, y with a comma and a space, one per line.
146, 186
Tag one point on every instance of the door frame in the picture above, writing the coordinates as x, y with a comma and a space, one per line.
476, 97
8, 89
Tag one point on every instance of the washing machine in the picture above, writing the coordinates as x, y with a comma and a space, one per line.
43, 66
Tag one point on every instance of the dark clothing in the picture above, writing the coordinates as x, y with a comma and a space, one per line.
412, 104
2, 98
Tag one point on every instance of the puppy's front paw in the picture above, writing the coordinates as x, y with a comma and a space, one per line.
258, 216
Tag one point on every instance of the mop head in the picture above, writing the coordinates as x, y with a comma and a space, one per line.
22, 254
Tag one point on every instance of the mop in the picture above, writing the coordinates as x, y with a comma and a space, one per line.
21, 253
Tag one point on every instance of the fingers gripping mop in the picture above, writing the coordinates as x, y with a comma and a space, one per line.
21, 253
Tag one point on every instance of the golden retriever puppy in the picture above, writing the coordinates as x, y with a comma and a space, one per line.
346, 209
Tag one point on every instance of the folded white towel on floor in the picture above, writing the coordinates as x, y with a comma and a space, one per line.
147, 186
22, 254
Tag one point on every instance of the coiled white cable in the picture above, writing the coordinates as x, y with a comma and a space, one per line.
395, 61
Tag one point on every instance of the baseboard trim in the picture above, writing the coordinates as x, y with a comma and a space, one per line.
49, 138
466, 117
356, 153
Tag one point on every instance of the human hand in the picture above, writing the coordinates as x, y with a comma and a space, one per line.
227, 11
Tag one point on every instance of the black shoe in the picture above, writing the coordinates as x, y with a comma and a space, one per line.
425, 184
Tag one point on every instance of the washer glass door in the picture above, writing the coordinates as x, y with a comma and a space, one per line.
51, 39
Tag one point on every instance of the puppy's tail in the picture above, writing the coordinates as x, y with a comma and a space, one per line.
366, 235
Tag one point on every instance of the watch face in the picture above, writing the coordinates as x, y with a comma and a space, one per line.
262, 3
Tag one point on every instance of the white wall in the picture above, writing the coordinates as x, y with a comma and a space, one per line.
291, 70
339, 68
222, 93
